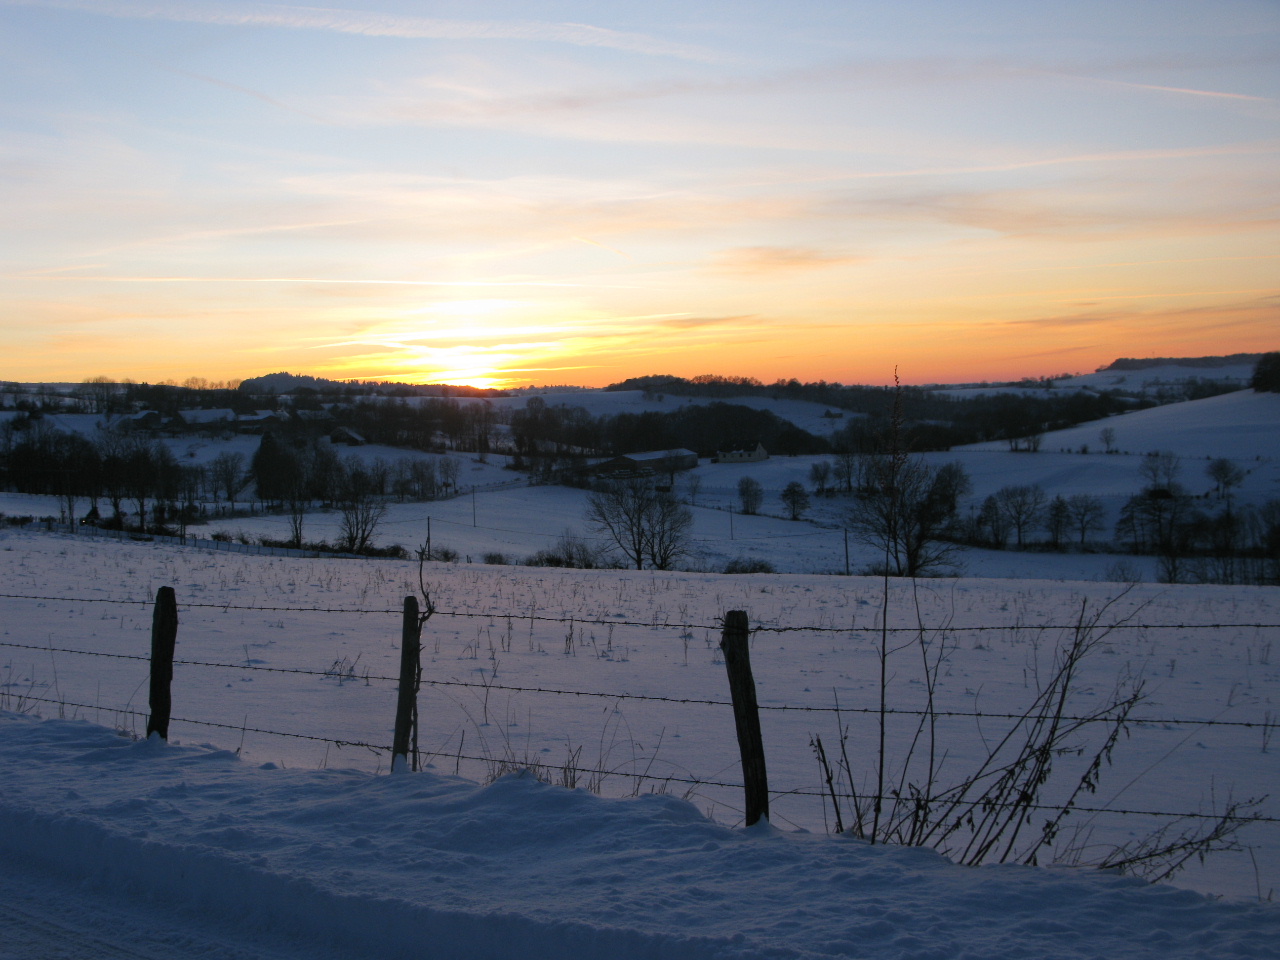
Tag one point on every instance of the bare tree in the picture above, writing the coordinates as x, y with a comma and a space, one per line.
692, 486
750, 495
908, 512
1224, 475
99, 392
669, 526
992, 526
820, 476
227, 475
447, 473
1160, 469
620, 511
1023, 506
361, 510
844, 468
1057, 518
1087, 513
641, 522
796, 498
1108, 438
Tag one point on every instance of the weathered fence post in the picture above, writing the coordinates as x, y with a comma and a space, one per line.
410, 678
164, 637
746, 714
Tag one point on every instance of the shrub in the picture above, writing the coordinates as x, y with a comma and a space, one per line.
569, 551
392, 552
1266, 374
748, 565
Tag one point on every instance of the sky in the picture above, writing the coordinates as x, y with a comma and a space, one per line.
506, 194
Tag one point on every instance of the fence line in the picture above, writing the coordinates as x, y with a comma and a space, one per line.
667, 625
752, 759
684, 701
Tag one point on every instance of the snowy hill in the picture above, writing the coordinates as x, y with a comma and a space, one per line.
1136, 382
506, 516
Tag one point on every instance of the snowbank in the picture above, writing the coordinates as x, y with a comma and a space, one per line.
416, 864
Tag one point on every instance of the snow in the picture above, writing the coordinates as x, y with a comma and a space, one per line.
1240, 426
421, 864
520, 520
1147, 380
506, 516
228, 842
316, 840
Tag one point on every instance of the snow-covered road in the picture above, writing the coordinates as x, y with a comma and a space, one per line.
47, 916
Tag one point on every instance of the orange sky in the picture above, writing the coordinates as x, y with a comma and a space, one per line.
826, 192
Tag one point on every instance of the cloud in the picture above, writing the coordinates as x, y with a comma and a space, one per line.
1108, 206
753, 261
374, 24
700, 323
1242, 317
1070, 320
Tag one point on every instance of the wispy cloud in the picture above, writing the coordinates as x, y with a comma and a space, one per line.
754, 261
235, 88
100, 278
702, 323
1161, 88
374, 24
1255, 315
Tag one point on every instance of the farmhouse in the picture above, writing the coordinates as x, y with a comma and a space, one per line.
257, 421
743, 456
205, 418
653, 461
348, 436
142, 420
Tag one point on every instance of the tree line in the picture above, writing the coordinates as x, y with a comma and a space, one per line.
932, 420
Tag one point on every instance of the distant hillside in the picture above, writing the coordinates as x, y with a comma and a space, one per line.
1195, 363
278, 383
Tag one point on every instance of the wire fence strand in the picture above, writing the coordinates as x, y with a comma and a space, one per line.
651, 624
1270, 724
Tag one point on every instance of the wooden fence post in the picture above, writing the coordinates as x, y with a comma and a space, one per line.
164, 637
410, 679
746, 714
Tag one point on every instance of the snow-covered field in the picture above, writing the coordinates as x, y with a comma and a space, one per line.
310, 835
508, 517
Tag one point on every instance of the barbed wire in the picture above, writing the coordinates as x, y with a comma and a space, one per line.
348, 676
653, 624
669, 778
